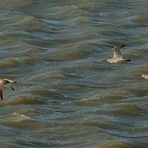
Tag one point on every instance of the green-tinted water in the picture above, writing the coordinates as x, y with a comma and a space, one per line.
67, 95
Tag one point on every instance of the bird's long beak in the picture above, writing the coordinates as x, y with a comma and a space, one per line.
13, 82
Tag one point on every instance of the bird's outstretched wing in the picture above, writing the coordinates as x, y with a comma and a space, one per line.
116, 50
12, 88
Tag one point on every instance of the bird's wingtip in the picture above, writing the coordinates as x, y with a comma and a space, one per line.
119, 46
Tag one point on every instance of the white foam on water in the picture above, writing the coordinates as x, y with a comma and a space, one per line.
20, 117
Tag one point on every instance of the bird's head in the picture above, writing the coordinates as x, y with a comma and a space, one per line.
9, 82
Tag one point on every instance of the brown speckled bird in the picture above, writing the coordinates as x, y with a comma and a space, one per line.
4, 82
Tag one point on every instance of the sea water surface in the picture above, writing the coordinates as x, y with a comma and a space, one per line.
67, 95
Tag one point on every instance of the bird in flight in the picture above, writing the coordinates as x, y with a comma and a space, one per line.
117, 56
4, 82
